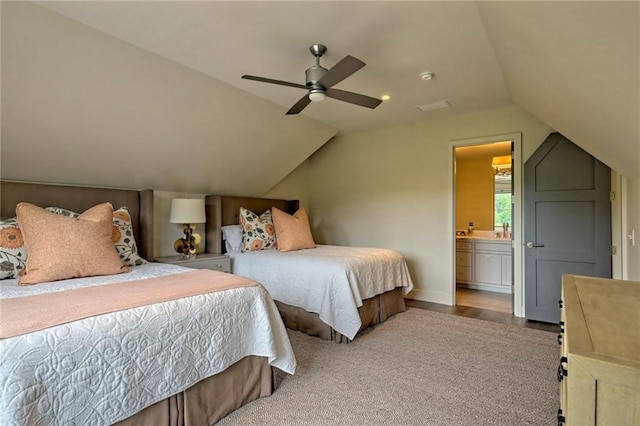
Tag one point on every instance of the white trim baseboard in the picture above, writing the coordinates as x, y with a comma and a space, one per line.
440, 297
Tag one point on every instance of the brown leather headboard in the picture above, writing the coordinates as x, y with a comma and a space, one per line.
224, 210
79, 199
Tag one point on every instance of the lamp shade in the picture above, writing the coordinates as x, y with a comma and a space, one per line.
187, 210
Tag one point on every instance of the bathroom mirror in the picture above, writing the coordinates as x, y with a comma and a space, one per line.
502, 200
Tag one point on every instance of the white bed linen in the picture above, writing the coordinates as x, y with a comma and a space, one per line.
328, 280
106, 368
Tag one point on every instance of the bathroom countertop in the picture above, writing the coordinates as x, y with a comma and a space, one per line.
480, 237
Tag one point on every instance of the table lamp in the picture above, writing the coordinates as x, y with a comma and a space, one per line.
187, 211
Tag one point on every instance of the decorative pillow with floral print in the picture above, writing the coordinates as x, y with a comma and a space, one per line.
13, 253
122, 234
258, 232
62, 212
123, 238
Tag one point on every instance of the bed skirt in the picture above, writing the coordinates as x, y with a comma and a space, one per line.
211, 399
373, 311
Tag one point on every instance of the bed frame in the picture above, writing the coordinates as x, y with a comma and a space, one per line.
207, 401
224, 210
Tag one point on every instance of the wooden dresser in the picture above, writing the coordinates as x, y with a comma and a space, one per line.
599, 367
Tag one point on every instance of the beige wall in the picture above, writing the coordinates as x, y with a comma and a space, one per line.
474, 193
393, 188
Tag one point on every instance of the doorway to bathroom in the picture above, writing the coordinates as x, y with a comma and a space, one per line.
486, 205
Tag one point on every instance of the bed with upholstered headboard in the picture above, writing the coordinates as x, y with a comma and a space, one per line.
331, 292
81, 198
224, 210
123, 365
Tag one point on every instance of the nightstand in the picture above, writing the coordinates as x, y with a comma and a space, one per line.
216, 262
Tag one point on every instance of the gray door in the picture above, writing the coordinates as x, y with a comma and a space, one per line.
567, 224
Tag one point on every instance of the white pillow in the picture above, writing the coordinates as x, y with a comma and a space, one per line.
232, 236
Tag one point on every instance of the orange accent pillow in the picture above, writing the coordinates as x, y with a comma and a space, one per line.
292, 232
62, 247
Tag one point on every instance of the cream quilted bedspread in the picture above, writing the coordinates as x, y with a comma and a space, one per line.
328, 280
105, 368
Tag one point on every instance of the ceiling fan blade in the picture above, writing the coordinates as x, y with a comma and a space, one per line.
343, 69
353, 98
300, 105
272, 81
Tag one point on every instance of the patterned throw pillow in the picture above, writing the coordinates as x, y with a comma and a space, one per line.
62, 212
13, 253
258, 232
123, 238
122, 234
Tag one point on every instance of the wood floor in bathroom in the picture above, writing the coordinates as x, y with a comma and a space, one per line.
500, 302
484, 305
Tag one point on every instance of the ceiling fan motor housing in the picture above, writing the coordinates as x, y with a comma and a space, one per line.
313, 74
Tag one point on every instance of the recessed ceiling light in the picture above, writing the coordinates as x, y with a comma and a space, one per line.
385, 97
427, 75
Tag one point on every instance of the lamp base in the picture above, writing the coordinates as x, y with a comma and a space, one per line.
190, 244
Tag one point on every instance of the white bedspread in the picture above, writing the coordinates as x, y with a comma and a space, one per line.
106, 368
328, 280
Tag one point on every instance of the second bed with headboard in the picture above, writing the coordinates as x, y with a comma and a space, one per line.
331, 292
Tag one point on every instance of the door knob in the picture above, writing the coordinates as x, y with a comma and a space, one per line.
529, 244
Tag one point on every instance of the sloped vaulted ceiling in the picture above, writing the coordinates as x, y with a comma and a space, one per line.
149, 94
82, 107
575, 65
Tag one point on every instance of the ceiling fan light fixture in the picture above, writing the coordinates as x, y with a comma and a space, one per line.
317, 96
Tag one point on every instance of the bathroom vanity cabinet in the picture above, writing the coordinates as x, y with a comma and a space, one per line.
484, 264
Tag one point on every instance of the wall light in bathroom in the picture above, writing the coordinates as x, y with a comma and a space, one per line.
501, 163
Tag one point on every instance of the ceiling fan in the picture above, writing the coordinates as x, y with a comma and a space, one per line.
319, 82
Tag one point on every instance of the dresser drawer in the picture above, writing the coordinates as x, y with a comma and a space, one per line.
216, 262
464, 274
499, 247
464, 245
463, 258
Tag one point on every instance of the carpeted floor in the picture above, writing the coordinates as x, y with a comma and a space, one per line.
418, 368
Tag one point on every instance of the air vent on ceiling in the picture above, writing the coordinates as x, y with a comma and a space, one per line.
434, 105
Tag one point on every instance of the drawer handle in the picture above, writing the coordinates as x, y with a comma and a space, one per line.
562, 372
561, 332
